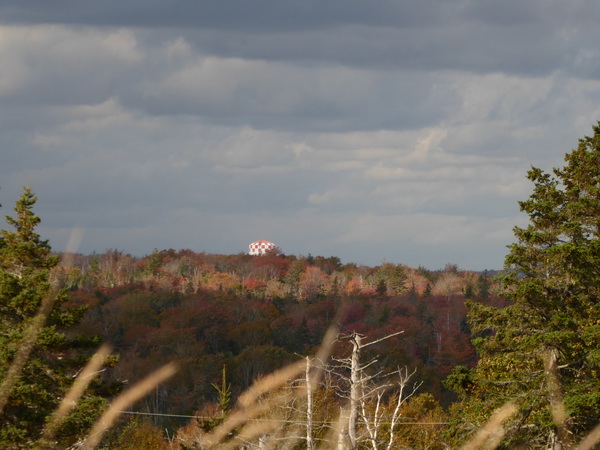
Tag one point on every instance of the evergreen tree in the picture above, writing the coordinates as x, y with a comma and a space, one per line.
427, 291
483, 288
543, 350
397, 280
26, 295
381, 287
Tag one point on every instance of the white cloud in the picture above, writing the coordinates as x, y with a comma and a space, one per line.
250, 148
34, 55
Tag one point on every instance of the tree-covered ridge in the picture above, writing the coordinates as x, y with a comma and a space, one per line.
270, 276
236, 322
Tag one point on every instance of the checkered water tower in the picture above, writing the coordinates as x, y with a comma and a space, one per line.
260, 247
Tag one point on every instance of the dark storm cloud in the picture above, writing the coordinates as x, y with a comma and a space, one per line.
297, 98
527, 38
455, 46
257, 15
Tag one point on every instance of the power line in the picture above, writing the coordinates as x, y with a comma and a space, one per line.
184, 416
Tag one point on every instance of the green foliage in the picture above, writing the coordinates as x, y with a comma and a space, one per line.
138, 434
154, 263
224, 393
381, 288
460, 381
25, 261
390, 279
468, 291
483, 288
553, 280
79, 422
25, 264
427, 291
292, 278
424, 410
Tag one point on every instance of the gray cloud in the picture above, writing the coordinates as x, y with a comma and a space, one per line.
261, 15
533, 38
371, 131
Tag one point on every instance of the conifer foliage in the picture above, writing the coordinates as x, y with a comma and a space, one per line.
31, 316
543, 350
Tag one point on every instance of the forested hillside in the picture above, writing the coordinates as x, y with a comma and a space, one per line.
253, 314
250, 315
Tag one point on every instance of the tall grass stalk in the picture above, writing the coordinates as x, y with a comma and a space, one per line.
490, 435
248, 408
29, 340
79, 386
557, 407
125, 400
590, 440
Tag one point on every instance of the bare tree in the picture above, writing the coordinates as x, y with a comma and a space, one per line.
404, 392
310, 444
365, 388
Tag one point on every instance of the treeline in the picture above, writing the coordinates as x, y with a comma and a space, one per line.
253, 314
270, 276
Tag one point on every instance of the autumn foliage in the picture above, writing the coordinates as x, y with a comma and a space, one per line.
254, 314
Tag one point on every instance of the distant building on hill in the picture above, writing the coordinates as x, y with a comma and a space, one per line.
260, 247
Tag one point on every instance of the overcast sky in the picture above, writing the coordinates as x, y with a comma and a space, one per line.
396, 131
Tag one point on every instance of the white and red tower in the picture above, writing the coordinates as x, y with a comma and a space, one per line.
260, 247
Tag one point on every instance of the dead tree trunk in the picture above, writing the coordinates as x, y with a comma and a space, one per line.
310, 445
355, 389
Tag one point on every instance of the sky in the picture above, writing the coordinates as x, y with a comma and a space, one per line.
377, 131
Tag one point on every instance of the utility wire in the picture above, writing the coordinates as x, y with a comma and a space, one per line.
183, 416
